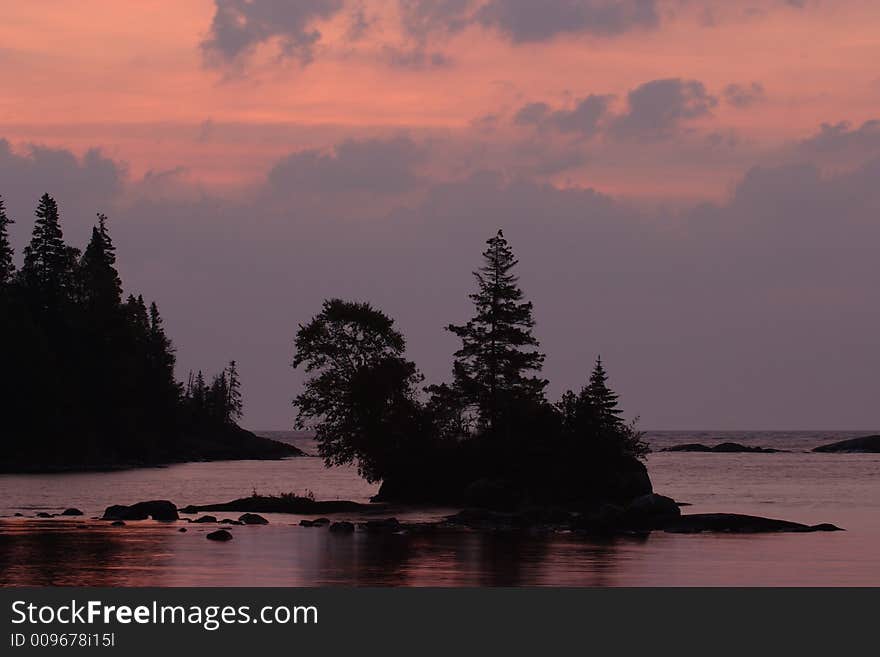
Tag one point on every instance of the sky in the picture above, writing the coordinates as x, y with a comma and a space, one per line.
692, 187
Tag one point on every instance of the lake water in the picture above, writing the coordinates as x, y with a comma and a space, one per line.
843, 489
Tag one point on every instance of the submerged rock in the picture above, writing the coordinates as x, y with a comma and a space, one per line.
117, 523
182, 530
43, 514
865, 445
252, 519
219, 535
342, 527
155, 509
72, 511
739, 524
230, 521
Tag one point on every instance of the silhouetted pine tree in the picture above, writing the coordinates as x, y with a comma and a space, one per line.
7, 264
160, 350
49, 264
497, 353
602, 398
100, 287
234, 404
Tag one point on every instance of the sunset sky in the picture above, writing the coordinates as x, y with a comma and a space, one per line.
693, 187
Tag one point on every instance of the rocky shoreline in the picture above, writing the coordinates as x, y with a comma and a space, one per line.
643, 515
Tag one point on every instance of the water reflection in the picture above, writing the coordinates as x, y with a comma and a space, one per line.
92, 553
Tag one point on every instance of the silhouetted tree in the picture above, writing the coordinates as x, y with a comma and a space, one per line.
99, 283
234, 404
360, 394
49, 264
7, 264
491, 369
603, 399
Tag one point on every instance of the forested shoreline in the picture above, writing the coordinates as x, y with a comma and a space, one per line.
88, 375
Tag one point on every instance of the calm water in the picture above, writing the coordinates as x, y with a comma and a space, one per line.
843, 489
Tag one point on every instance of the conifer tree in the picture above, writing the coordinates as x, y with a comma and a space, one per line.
234, 405
602, 398
161, 351
100, 285
7, 265
498, 351
48, 262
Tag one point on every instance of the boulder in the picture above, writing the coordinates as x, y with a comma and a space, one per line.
182, 530
71, 512
864, 445
117, 523
219, 535
43, 514
252, 519
651, 509
155, 509
342, 527
321, 522
18, 515
205, 519
230, 521
306, 523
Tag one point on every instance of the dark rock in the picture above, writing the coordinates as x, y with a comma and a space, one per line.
318, 522
651, 511
738, 524
182, 529
230, 521
386, 525
18, 515
342, 527
155, 509
43, 514
205, 519
219, 535
117, 523
864, 445
252, 519
71, 512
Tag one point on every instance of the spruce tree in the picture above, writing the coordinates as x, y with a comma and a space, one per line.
7, 265
100, 285
49, 263
602, 399
498, 351
233, 393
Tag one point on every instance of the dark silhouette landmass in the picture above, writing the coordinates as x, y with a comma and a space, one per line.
865, 444
88, 377
489, 438
722, 448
